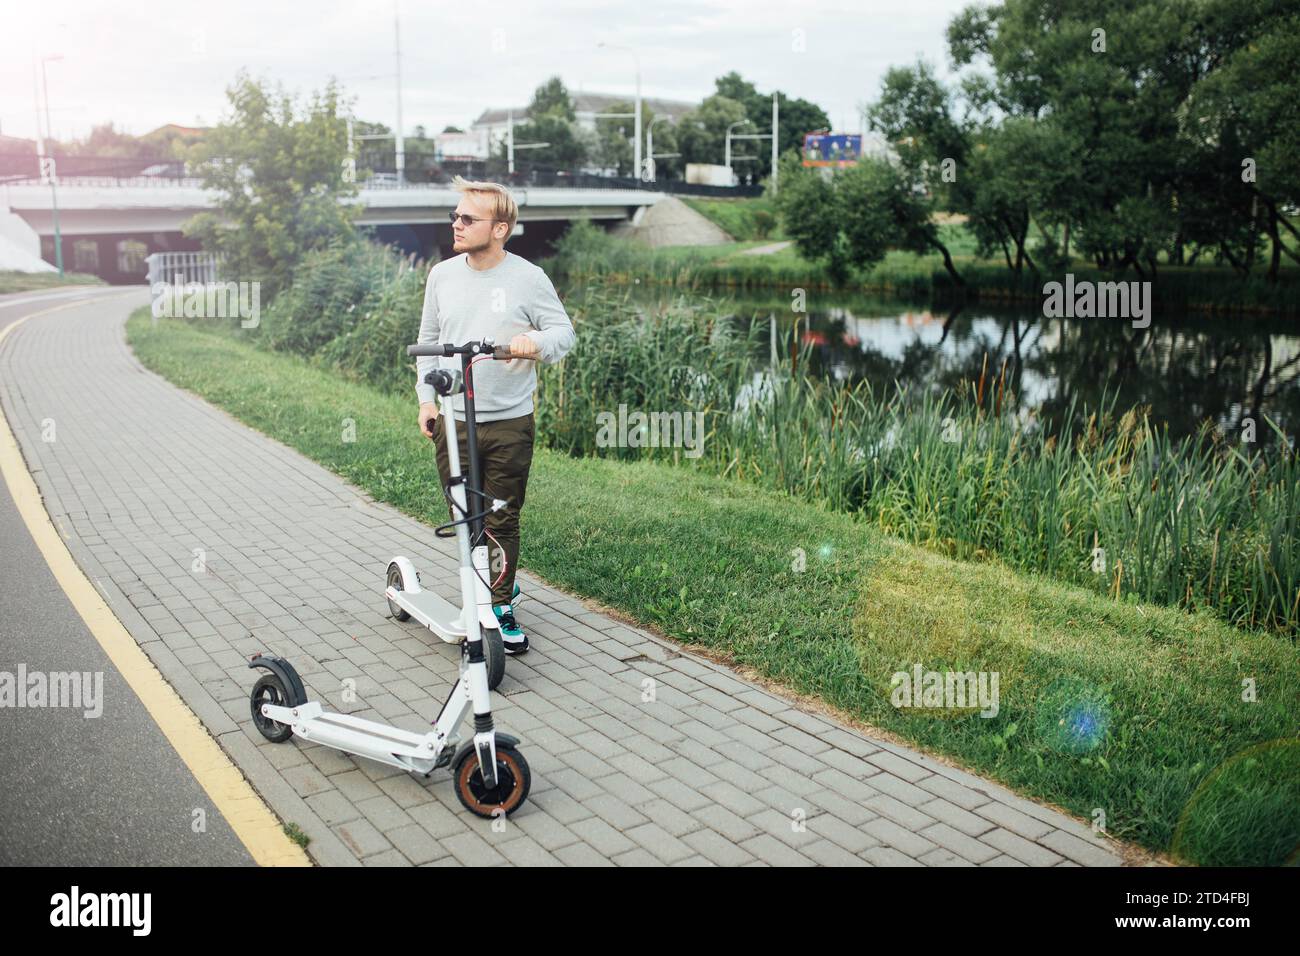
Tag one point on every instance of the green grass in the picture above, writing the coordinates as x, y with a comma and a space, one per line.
29, 281
750, 218
294, 833
715, 562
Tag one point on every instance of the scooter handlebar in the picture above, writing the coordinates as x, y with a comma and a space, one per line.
427, 348
444, 349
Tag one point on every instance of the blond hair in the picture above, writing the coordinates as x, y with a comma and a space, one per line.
502, 203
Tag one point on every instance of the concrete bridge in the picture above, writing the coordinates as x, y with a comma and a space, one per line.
108, 227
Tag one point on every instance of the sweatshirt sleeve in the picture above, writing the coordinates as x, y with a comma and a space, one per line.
552, 329
430, 328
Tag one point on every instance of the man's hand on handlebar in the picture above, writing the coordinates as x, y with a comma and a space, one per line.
522, 347
428, 415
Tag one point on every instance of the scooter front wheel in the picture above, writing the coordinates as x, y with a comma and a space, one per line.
513, 783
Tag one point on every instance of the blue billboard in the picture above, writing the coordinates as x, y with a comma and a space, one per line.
831, 149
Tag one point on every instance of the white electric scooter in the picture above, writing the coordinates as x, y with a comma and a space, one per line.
497, 780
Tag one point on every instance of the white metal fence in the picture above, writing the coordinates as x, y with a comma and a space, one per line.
182, 268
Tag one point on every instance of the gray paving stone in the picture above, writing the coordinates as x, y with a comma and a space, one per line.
470, 849
717, 848
767, 848
900, 838
968, 848
696, 777
604, 838
660, 842
1079, 851
416, 845
1013, 820
957, 818
639, 856
1017, 847
362, 838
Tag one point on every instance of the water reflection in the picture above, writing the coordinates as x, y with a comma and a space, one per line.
1187, 369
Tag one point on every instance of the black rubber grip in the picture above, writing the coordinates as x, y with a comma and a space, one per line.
428, 348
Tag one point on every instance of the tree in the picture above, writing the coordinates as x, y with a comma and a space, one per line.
613, 138
795, 118
550, 120
277, 169
702, 131
552, 98
810, 214
1245, 121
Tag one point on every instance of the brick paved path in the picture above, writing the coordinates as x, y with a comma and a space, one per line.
715, 771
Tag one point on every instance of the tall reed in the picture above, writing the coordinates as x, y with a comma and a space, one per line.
1106, 499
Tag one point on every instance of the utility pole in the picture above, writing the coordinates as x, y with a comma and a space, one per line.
636, 151
774, 140
48, 168
401, 145
637, 156
510, 142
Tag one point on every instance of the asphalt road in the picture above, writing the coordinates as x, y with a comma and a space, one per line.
77, 790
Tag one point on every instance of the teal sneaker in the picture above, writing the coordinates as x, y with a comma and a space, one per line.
513, 639
516, 594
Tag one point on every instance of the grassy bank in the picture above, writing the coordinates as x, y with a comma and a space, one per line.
29, 281
742, 219
1105, 499
587, 253
1123, 707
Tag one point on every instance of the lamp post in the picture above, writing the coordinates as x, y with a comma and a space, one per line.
511, 145
52, 168
401, 142
636, 150
650, 146
727, 149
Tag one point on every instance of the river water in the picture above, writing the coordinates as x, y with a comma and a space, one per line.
1187, 369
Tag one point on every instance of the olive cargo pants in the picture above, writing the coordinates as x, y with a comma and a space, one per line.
505, 454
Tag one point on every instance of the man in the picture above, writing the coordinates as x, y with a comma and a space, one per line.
486, 291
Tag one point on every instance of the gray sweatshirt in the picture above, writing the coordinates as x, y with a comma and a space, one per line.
463, 304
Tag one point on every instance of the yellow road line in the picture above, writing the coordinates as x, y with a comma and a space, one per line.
250, 818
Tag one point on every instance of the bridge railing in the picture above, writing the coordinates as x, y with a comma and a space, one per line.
182, 268
541, 178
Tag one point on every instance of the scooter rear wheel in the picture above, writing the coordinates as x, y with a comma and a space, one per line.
513, 783
395, 581
494, 655
269, 690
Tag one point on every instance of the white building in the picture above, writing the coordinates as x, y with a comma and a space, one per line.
490, 128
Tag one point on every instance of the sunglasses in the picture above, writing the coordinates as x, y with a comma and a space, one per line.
468, 220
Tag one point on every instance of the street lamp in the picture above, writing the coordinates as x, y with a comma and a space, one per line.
636, 152
727, 153
51, 169
650, 146
512, 146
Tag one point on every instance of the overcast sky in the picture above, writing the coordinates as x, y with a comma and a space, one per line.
141, 65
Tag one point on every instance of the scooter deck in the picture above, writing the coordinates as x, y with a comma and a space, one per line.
433, 611
381, 742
